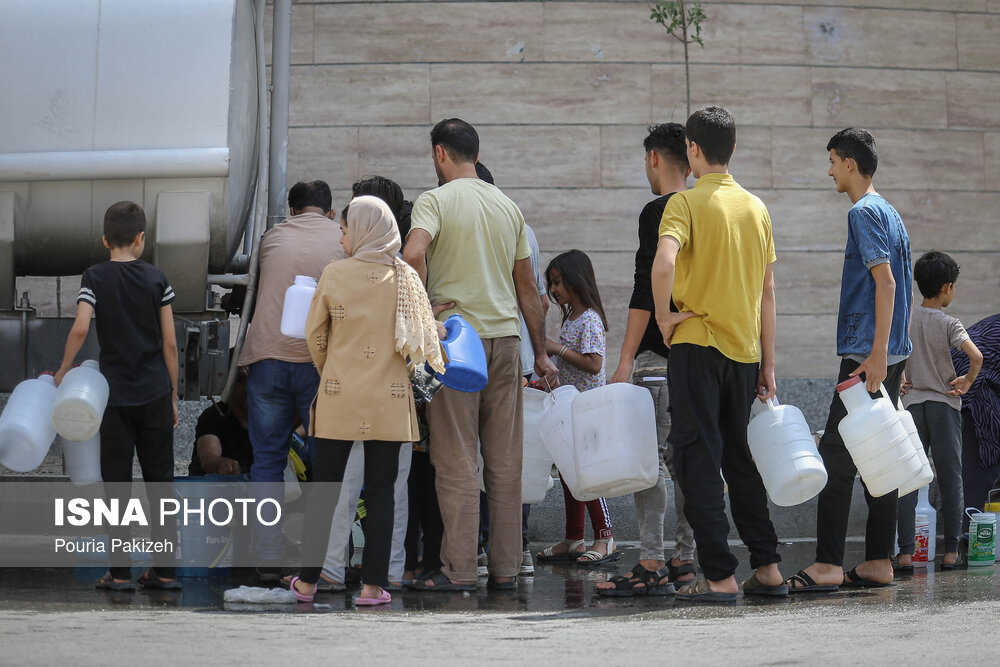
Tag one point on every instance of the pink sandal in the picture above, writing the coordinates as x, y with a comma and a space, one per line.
301, 597
384, 598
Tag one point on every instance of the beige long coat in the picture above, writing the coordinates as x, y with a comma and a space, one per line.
364, 390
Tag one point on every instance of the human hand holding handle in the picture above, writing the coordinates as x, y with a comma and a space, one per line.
874, 368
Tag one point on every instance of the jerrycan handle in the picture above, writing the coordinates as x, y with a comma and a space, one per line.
972, 509
772, 403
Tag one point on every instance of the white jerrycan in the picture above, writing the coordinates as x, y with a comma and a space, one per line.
83, 459
80, 402
785, 454
536, 462
298, 298
26, 430
926, 475
556, 430
614, 436
876, 439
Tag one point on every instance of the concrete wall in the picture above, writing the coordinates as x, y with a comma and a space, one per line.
561, 92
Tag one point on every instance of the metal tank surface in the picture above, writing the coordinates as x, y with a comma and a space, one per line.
157, 102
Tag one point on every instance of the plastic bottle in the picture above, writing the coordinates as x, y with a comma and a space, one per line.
925, 509
26, 430
465, 369
557, 431
926, 474
536, 462
785, 454
83, 459
982, 537
295, 309
80, 402
876, 439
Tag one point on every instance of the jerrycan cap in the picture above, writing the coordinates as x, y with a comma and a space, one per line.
848, 383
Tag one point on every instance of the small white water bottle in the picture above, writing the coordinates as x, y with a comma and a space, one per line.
298, 298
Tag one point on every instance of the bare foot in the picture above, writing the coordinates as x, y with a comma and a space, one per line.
876, 570
769, 575
950, 558
905, 560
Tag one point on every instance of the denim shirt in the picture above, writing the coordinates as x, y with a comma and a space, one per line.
875, 235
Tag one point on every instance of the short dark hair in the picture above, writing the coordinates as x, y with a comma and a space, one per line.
123, 222
385, 189
313, 193
933, 271
667, 139
857, 144
458, 138
714, 130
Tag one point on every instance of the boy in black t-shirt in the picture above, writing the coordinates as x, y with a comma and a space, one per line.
135, 331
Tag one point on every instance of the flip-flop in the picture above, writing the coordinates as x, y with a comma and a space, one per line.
547, 556
753, 586
590, 557
854, 580
383, 598
806, 584
700, 591
150, 579
301, 597
952, 566
441, 583
108, 583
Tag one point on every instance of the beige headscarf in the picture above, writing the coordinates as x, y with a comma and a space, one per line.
374, 237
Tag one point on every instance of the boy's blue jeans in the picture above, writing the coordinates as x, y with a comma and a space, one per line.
940, 428
276, 392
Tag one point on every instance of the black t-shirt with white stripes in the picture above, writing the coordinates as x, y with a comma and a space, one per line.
127, 298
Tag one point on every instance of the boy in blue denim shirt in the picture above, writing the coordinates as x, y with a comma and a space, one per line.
872, 339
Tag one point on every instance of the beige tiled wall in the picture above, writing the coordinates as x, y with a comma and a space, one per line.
561, 93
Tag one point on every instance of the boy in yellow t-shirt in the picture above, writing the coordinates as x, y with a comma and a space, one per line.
714, 256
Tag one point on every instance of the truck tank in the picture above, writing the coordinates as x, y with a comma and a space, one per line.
105, 100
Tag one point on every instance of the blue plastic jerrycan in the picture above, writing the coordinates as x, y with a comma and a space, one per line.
466, 366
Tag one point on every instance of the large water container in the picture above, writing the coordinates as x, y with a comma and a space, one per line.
204, 549
536, 462
465, 369
83, 459
926, 474
876, 439
785, 453
295, 310
556, 430
80, 402
26, 430
614, 438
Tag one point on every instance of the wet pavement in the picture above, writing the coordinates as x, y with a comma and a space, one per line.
557, 591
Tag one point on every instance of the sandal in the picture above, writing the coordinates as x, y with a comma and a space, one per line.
754, 586
495, 585
590, 557
678, 571
571, 554
642, 582
803, 583
108, 583
700, 591
301, 597
324, 585
383, 598
441, 583
854, 580
150, 579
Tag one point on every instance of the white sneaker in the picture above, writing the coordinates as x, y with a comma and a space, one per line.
527, 566
482, 569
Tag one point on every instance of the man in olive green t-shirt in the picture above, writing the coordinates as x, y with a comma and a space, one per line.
467, 241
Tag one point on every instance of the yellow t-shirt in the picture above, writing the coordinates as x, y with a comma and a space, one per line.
477, 233
725, 238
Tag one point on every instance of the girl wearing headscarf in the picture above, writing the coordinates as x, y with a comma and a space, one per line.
369, 314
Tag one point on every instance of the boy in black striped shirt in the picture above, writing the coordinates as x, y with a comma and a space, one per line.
135, 331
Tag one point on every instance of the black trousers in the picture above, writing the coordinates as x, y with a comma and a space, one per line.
146, 431
710, 398
381, 466
834, 507
976, 480
424, 524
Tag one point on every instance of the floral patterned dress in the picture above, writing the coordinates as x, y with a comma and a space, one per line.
585, 335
